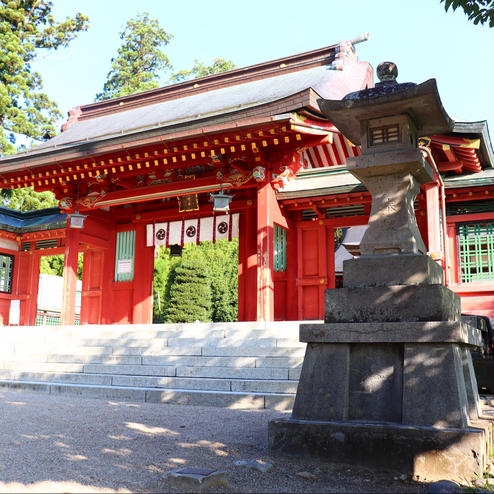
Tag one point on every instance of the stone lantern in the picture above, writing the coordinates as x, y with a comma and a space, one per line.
387, 380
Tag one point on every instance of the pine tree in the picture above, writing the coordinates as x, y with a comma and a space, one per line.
140, 59
222, 259
201, 70
26, 28
28, 200
190, 298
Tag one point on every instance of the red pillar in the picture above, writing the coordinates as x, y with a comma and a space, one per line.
26, 286
291, 272
142, 312
247, 266
70, 276
265, 282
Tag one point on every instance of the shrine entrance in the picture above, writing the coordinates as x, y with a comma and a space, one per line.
214, 266
141, 170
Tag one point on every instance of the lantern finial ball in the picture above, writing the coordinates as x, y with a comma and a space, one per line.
387, 71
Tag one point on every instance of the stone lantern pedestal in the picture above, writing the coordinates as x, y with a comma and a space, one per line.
388, 380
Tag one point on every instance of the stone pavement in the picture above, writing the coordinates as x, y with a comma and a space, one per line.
53, 443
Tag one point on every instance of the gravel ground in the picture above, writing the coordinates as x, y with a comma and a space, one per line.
51, 443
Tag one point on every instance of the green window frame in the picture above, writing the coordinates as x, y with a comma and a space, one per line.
279, 249
125, 255
6, 272
475, 251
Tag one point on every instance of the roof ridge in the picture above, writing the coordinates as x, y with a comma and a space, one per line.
301, 61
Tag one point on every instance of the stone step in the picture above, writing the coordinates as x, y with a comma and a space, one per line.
56, 367
163, 360
254, 351
239, 365
233, 373
154, 350
126, 332
277, 401
198, 384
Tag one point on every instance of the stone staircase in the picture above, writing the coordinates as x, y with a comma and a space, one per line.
235, 365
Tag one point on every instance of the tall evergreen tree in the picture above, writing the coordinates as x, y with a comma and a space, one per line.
27, 27
201, 70
28, 200
190, 298
140, 59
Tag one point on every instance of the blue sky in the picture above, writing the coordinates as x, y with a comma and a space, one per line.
419, 36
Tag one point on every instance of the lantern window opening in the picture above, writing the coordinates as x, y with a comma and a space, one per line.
384, 135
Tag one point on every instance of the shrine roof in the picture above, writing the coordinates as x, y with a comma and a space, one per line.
196, 105
22, 222
338, 180
320, 181
485, 177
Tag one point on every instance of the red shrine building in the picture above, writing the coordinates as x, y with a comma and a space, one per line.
142, 169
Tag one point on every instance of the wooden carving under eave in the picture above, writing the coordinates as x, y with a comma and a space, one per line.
289, 167
92, 198
240, 177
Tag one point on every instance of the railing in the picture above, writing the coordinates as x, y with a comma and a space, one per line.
48, 318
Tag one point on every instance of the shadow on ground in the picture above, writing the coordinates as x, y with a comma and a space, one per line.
66, 444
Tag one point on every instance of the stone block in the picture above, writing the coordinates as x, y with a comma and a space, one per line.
392, 332
171, 350
40, 367
200, 361
427, 452
231, 373
193, 479
246, 341
263, 386
434, 392
51, 377
391, 303
139, 370
204, 398
323, 387
392, 270
287, 362
172, 383
375, 384
106, 392
25, 386
254, 351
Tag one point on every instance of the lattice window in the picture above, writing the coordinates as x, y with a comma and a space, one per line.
383, 135
125, 254
476, 252
279, 256
6, 273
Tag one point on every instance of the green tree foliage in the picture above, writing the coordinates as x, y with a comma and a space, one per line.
27, 199
190, 298
222, 260
221, 263
201, 70
27, 28
164, 275
54, 265
140, 59
478, 11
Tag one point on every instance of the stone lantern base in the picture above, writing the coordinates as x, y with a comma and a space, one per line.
426, 453
388, 379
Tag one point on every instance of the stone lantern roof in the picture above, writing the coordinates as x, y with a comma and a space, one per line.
420, 101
